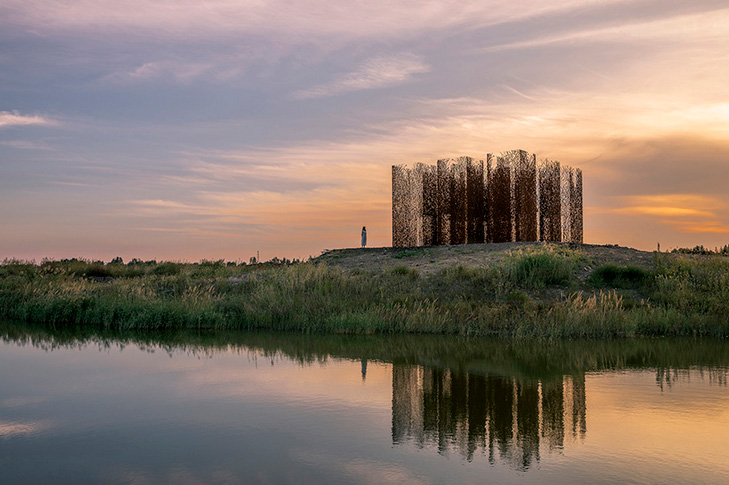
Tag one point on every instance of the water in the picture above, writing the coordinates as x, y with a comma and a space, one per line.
78, 406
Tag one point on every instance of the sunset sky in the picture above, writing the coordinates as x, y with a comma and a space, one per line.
212, 129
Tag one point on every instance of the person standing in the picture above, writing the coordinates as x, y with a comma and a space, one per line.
364, 236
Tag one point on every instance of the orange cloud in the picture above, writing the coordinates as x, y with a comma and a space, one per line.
663, 211
676, 199
711, 227
670, 205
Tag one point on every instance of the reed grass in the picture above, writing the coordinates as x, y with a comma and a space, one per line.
536, 292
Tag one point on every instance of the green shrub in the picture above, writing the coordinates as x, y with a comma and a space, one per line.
518, 299
97, 270
619, 276
404, 270
167, 269
405, 253
540, 269
17, 267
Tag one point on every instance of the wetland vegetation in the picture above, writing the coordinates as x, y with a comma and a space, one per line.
511, 290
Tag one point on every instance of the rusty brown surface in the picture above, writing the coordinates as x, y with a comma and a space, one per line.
500, 201
550, 219
475, 202
525, 197
464, 201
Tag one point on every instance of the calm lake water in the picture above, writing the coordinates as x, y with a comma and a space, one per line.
78, 406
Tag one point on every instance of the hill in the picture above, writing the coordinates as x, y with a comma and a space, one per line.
430, 260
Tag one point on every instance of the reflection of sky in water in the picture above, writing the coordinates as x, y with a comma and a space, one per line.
140, 416
10, 428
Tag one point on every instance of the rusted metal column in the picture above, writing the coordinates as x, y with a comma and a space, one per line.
459, 206
415, 208
525, 196
500, 200
475, 201
444, 202
430, 205
550, 222
565, 193
399, 205
488, 200
576, 207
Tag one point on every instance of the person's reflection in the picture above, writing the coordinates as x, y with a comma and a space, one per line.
364, 369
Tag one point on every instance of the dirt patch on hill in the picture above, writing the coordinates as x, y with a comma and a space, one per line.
434, 258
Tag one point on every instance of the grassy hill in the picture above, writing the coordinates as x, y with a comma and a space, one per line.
429, 260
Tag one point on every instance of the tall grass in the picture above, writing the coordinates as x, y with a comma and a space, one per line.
531, 293
542, 267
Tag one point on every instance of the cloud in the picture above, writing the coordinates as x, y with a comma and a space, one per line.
710, 227
178, 71
306, 188
300, 21
377, 72
215, 68
156, 207
70, 184
663, 211
671, 205
689, 214
704, 26
14, 118
25, 145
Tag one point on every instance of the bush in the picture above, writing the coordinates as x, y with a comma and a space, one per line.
404, 270
723, 251
167, 269
540, 269
619, 276
405, 253
97, 270
518, 299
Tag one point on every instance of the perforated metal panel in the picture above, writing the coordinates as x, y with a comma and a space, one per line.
511, 197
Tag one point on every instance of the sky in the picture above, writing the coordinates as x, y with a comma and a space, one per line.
188, 130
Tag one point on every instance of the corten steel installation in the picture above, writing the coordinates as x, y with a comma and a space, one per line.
508, 198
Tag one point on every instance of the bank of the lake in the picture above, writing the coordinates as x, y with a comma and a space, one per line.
515, 290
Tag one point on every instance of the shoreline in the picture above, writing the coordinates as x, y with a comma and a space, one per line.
520, 358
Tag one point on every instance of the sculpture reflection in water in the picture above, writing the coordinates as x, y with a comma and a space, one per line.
501, 417
508, 198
